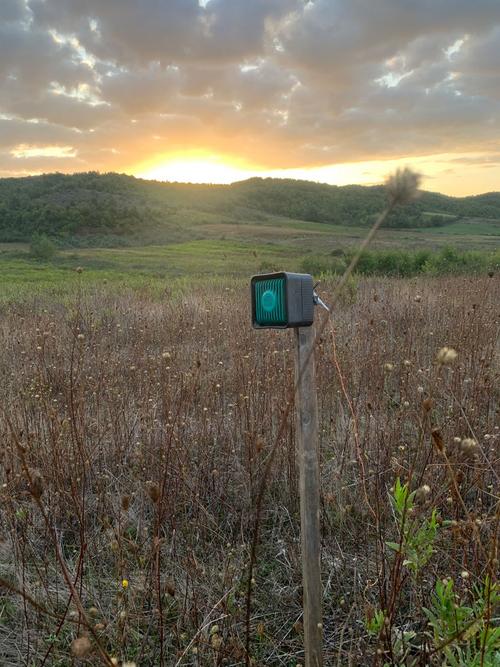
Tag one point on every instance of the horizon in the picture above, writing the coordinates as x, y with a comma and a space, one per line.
218, 91
242, 180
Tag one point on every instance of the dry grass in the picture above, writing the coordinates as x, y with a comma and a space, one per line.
134, 437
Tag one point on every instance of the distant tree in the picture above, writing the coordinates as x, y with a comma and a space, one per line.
42, 247
90, 206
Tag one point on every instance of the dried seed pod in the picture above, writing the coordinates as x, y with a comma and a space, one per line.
422, 493
437, 439
402, 186
35, 484
469, 448
427, 404
81, 647
446, 356
153, 490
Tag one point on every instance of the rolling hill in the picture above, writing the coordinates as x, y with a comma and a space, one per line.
115, 209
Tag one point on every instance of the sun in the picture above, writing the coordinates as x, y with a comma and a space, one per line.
194, 168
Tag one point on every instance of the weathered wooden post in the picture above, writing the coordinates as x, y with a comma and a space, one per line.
308, 455
281, 301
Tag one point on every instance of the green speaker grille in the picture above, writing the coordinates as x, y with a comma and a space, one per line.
270, 302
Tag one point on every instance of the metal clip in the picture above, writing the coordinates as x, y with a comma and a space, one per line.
317, 300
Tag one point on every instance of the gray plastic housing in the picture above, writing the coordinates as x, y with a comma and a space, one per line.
299, 299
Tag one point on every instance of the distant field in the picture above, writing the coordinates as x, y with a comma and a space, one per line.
232, 249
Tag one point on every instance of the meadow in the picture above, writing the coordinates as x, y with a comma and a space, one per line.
232, 251
136, 423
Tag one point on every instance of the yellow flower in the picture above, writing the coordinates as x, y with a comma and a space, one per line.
125, 583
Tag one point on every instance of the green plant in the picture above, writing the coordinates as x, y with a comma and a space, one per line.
42, 247
416, 536
463, 632
375, 622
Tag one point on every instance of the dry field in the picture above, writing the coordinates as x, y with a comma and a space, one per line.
135, 433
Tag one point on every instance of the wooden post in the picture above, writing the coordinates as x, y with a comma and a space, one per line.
308, 455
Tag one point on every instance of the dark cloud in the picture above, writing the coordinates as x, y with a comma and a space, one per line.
280, 82
35, 59
146, 91
125, 31
477, 66
236, 29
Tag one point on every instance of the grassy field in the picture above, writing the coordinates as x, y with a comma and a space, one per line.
135, 432
139, 413
214, 249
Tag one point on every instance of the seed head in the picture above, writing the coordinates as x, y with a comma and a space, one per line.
468, 447
427, 404
36, 484
388, 367
153, 491
423, 493
81, 647
437, 439
402, 186
446, 356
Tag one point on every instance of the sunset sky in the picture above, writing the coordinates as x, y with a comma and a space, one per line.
339, 91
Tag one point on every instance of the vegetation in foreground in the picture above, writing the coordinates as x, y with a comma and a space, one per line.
135, 433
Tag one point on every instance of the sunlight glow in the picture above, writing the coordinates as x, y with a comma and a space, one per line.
28, 151
207, 168
195, 168
441, 172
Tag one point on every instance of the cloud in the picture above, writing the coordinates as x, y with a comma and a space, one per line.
11, 10
14, 131
280, 83
477, 66
146, 91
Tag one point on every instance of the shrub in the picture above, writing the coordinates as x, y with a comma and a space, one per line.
406, 263
42, 247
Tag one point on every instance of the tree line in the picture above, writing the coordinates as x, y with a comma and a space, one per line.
116, 205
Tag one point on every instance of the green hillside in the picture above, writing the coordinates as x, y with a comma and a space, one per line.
115, 209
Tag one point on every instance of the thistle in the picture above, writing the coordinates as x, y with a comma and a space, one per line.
402, 186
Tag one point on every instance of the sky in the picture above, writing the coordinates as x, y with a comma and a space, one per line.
338, 91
